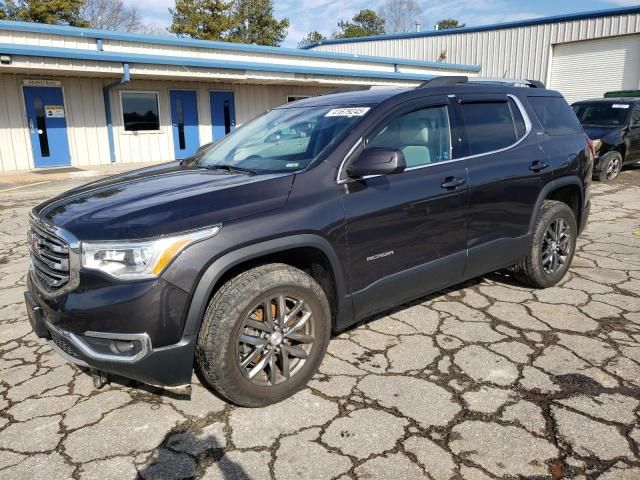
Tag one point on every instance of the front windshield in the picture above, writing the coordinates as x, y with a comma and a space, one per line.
283, 139
602, 114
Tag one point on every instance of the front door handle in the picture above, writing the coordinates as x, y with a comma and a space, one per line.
538, 166
453, 182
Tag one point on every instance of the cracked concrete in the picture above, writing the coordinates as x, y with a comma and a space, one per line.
488, 379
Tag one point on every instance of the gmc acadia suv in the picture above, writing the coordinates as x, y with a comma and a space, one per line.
310, 218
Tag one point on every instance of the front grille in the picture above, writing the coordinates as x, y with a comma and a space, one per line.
65, 345
49, 257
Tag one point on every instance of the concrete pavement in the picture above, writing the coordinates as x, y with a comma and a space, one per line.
485, 380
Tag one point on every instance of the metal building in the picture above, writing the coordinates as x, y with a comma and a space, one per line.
582, 55
79, 97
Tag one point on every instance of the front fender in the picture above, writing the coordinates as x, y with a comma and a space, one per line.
222, 265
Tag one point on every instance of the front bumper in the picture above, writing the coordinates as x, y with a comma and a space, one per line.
127, 354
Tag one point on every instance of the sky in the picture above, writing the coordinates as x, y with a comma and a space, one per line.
323, 15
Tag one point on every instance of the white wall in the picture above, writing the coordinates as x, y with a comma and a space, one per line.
86, 119
522, 52
250, 101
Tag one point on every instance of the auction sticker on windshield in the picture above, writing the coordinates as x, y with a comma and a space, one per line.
347, 112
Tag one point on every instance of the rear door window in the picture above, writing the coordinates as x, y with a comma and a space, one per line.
555, 115
489, 126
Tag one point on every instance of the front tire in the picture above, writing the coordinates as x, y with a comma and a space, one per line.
264, 335
552, 249
612, 163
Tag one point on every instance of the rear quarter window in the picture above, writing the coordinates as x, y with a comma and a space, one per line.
555, 115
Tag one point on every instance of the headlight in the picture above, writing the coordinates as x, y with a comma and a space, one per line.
139, 259
597, 145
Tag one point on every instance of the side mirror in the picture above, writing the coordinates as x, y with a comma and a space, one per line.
377, 161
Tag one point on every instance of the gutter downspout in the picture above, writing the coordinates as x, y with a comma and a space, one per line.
126, 77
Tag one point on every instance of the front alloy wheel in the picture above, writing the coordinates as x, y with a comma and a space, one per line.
264, 335
613, 167
275, 339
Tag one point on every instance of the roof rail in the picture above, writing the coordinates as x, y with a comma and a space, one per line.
347, 89
444, 81
457, 80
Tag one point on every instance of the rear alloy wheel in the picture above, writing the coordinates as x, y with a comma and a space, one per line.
612, 163
556, 246
552, 248
264, 335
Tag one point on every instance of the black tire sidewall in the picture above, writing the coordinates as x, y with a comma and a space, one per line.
223, 361
549, 214
606, 158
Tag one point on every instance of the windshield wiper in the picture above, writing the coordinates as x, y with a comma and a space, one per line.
231, 169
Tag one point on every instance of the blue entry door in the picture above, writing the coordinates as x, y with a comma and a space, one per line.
223, 114
184, 118
47, 126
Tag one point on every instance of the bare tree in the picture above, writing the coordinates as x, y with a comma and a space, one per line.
400, 15
113, 15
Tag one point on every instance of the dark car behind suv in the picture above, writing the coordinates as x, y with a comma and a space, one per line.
314, 216
613, 124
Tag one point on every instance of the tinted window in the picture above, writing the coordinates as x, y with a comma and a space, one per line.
555, 115
488, 126
423, 136
140, 111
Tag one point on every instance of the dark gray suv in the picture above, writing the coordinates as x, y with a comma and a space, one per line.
310, 218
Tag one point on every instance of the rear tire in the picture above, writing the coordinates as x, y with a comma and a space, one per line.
255, 320
612, 163
552, 249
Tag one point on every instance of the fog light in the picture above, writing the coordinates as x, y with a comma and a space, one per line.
122, 347
113, 347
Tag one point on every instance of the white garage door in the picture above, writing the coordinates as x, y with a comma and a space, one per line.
583, 70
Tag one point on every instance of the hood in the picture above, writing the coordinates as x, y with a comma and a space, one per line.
602, 133
161, 200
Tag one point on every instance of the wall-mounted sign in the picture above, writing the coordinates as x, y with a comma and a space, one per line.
42, 83
54, 111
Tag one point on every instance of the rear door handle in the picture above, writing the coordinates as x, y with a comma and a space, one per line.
538, 166
453, 182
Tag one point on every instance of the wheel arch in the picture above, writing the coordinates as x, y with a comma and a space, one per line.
293, 250
568, 190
